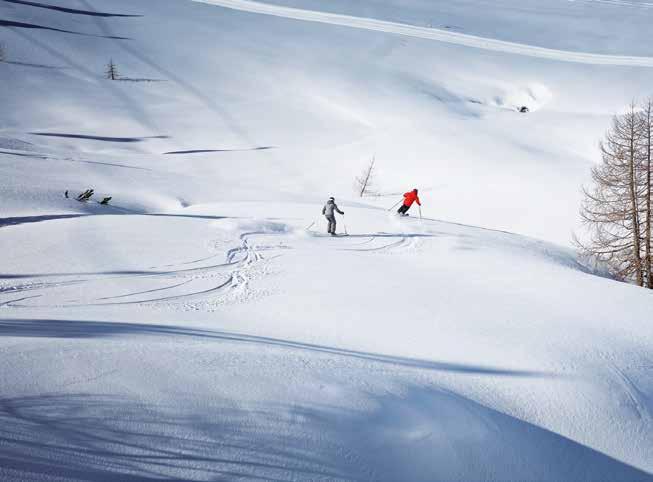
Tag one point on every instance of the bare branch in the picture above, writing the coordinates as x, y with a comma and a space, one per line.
365, 182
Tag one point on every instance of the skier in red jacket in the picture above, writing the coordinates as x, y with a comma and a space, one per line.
409, 199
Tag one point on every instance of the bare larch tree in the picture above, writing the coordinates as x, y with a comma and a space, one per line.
647, 167
614, 209
365, 182
112, 71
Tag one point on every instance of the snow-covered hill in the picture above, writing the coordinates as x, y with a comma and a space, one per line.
196, 329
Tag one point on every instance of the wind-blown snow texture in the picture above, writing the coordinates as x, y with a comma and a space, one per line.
194, 329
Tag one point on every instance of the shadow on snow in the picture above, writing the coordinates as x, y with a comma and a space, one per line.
97, 138
17, 220
51, 328
425, 434
202, 151
74, 11
11, 23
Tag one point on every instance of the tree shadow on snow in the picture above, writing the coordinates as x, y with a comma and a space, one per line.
74, 11
424, 434
13, 221
38, 66
113, 210
97, 138
21, 154
202, 151
139, 79
11, 23
51, 328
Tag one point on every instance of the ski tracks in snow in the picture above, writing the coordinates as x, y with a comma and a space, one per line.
384, 246
636, 399
249, 263
202, 283
245, 263
249, 267
188, 288
440, 35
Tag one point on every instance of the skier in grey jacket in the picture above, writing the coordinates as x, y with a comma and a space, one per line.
329, 210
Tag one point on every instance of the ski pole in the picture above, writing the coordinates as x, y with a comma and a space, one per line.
420, 211
345, 225
310, 226
395, 205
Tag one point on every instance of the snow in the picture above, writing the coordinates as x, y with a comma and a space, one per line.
429, 33
195, 329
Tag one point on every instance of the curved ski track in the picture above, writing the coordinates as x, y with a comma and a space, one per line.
239, 259
430, 34
232, 273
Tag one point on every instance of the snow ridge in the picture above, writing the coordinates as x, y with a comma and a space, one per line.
431, 34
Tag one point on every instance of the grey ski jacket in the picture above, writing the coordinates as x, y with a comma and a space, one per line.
330, 207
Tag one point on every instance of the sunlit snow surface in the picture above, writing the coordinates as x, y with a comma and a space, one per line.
203, 326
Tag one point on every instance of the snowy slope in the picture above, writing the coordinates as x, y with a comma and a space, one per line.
436, 115
430, 33
197, 330
246, 346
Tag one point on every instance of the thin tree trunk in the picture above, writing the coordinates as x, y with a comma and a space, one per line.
648, 261
365, 181
632, 181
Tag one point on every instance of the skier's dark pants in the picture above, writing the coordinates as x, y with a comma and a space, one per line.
332, 224
403, 209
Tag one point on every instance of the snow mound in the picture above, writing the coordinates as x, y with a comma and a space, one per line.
252, 226
533, 96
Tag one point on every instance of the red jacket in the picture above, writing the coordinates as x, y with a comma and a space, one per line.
410, 198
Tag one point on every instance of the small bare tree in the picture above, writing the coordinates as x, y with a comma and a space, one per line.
112, 71
612, 209
2, 52
364, 184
